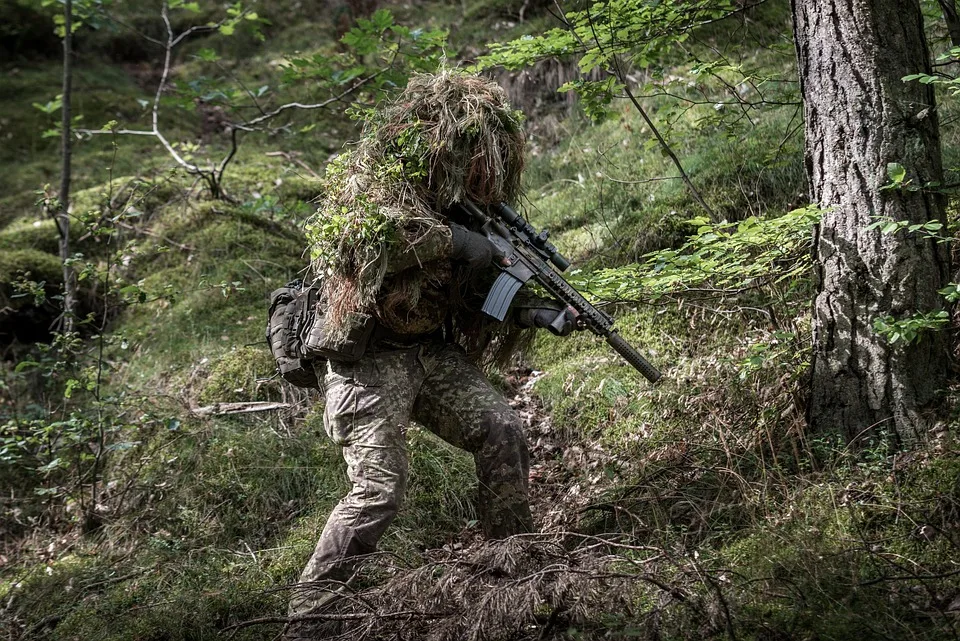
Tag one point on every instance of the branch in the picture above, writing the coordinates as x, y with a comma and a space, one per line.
641, 182
909, 577
132, 28
250, 124
620, 76
213, 175
352, 616
292, 157
220, 409
204, 28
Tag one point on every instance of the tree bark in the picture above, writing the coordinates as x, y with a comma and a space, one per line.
860, 116
952, 18
62, 216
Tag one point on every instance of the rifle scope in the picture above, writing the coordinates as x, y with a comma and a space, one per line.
539, 240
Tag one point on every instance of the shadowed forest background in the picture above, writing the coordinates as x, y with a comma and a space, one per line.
160, 482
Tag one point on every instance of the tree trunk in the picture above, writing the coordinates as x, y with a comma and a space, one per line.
860, 116
62, 216
952, 18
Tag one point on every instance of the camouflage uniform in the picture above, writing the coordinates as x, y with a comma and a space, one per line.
416, 373
368, 407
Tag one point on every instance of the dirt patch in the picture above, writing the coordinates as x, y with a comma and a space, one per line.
570, 478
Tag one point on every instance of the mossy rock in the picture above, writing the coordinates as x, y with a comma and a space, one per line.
137, 194
40, 266
26, 319
216, 222
270, 179
235, 376
40, 235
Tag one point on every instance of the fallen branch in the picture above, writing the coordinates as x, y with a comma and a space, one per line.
219, 409
351, 616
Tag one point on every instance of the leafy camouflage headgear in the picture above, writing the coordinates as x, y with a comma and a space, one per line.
446, 137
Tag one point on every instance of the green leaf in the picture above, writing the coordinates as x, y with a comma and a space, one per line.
208, 55
51, 466
381, 19
51, 107
122, 446
24, 365
896, 172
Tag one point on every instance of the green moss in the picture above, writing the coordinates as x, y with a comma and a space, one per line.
244, 501
40, 235
832, 544
239, 375
39, 266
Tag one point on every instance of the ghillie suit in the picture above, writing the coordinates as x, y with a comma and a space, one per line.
383, 245
378, 241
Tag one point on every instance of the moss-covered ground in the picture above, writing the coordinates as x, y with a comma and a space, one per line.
204, 521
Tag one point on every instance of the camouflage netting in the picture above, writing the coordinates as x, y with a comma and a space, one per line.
447, 137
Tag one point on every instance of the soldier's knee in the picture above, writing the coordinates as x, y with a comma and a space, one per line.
498, 419
388, 500
504, 436
384, 489
503, 427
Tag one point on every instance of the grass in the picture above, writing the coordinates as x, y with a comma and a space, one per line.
606, 191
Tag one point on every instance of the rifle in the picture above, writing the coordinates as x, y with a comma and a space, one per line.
523, 254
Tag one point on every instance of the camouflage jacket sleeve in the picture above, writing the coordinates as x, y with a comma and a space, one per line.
435, 243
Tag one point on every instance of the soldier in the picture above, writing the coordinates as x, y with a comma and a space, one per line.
415, 368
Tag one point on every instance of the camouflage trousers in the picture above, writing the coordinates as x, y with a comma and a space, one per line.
368, 407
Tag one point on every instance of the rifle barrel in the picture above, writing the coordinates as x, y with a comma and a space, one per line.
633, 357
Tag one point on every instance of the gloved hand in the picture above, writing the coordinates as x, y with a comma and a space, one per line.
561, 321
470, 247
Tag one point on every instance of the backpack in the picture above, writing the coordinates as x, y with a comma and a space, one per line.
297, 335
291, 314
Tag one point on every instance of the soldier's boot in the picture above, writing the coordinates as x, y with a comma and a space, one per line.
309, 602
